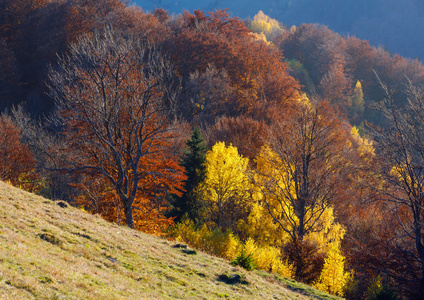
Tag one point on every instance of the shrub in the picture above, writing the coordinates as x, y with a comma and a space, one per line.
215, 242
225, 244
244, 260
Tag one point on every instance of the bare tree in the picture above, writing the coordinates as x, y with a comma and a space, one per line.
401, 149
115, 100
308, 171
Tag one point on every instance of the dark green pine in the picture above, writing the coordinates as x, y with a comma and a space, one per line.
193, 160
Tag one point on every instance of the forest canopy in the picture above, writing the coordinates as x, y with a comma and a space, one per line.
290, 149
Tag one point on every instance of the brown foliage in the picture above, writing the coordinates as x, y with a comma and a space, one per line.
133, 20
318, 48
255, 71
17, 164
306, 258
244, 133
323, 53
335, 87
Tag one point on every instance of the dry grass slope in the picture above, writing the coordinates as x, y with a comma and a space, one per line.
53, 252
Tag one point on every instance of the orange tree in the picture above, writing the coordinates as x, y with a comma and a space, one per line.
17, 164
115, 103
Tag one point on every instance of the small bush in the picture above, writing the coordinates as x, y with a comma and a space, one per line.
244, 260
267, 258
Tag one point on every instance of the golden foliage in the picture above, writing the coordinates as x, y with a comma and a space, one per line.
226, 185
333, 277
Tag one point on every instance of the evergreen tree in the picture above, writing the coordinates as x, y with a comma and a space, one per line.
193, 161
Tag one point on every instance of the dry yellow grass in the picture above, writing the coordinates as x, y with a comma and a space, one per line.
50, 252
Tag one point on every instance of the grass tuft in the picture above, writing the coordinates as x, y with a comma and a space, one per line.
48, 237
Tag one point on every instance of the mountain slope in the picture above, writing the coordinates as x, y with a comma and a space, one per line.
397, 25
52, 252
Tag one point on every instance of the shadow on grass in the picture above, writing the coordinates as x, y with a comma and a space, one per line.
232, 279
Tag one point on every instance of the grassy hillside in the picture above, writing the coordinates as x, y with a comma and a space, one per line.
52, 252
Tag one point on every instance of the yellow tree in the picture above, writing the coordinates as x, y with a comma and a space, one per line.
226, 185
333, 276
264, 24
356, 104
323, 233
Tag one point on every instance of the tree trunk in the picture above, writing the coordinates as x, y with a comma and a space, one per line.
299, 266
420, 293
299, 259
129, 215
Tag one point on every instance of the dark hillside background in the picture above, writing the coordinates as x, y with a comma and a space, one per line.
398, 26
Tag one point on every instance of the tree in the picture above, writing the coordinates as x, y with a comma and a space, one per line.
333, 276
335, 87
193, 161
264, 24
401, 149
115, 104
302, 172
225, 189
209, 94
356, 103
17, 164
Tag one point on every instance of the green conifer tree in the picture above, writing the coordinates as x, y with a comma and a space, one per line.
193, 160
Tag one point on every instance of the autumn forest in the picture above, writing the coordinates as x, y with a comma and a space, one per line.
292, 150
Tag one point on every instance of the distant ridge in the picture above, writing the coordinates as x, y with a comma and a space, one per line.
398, 26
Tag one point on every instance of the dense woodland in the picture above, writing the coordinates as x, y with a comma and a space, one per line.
292, 150
395, 25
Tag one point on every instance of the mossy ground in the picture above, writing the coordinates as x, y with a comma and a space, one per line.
53, 252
